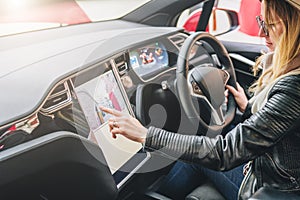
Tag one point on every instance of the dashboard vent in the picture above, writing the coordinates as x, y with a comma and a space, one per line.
178, 40
59, 98
121, 64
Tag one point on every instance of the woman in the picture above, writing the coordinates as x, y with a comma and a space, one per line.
270, 136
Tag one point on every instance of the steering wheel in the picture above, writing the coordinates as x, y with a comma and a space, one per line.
206, 82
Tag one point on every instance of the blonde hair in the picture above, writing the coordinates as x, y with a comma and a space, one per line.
287, 45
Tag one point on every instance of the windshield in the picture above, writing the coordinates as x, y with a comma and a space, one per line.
17, 16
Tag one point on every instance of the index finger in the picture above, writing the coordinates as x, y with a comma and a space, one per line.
231, 89
111, 111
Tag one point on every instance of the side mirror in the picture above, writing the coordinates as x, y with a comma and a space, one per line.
221, 21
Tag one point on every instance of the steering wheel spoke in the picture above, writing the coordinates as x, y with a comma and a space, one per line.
217, 116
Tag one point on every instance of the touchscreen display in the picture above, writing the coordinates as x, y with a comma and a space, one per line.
103, 90
149, 59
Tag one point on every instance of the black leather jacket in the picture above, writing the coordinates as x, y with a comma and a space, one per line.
270, 137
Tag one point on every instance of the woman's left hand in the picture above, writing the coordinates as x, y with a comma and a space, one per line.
125, 125
239, 96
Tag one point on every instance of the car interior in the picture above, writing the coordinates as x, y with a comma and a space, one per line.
54, 138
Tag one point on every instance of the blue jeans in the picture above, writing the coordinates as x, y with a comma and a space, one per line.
185, 177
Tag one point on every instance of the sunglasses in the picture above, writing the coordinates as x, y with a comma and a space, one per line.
263, 25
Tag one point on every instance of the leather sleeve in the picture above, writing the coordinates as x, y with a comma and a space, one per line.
246, 141
247, 113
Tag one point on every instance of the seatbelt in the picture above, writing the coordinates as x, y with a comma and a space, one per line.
204, 17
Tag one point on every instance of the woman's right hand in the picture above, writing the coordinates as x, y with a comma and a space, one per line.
126, 125
239, 96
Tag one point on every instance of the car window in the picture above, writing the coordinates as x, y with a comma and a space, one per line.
230, 20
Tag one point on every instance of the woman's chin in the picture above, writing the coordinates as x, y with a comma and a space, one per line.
270, 46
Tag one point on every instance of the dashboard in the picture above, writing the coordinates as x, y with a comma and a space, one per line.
66, 52
80, 69
57, 79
